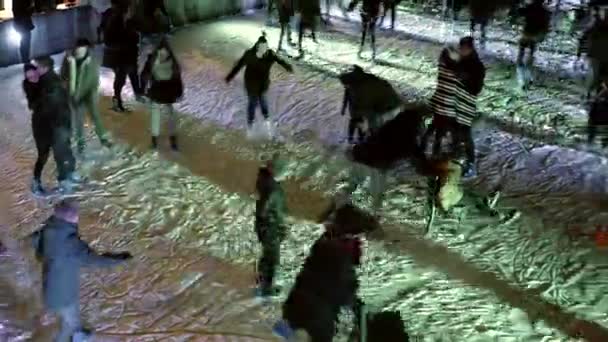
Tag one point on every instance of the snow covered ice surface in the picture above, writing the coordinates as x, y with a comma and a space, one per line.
187, 217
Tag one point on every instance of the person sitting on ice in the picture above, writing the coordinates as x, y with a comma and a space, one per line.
162, 82
257, 62
270, 227
328, 281
62, 253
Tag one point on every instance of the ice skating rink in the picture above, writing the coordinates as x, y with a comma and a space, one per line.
188, 217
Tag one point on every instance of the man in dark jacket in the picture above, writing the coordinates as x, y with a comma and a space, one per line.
121, 50
63, 253
22, 22
257, 62
310, 12
471, 74
598, 117
537, 19
286, 12
594, 41
328, 280
270, 227
370, 97
370, 10
51, 120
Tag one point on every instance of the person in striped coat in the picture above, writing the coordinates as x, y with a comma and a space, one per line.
443, 100
470, 74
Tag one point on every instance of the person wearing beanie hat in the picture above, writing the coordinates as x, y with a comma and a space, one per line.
62, 253
257, 61
270, 227
470, 75
80, 70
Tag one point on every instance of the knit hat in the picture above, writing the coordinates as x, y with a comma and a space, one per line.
467, 42
83, 42
28, 66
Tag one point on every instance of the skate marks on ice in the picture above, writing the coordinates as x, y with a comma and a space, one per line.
402, 242
165, 292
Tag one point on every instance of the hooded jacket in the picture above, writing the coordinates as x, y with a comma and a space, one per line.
162, 80
443, 100
82, 76
471, 74
368, 95
257, 70
62, 254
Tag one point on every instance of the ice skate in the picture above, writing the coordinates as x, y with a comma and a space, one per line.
37, 189
117, 105
173, 142
82, 336
283, 330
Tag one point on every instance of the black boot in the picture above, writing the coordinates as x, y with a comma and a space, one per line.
173, 141
154, 142
117, 105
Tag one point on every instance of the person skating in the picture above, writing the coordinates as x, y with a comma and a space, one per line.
537, 19
286, 13
51, 125
481, 12
310, 12
370, 10
162, 80
257, 62
356, 124
80, 70
443, 101
370, 97
598, 117
121, 50
270, 226
594, 42
327, 281
62, 253
23, 24
471, 74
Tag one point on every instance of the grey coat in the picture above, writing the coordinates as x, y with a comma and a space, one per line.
62, 253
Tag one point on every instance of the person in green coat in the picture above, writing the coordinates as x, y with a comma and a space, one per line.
270, 227
80, 72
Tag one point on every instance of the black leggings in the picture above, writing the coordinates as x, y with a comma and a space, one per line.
120, 79
354, 125
368, 25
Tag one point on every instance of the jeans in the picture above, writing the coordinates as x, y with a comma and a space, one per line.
254, 101
70, 322
25, 45
368, 25
88, 104
155, 117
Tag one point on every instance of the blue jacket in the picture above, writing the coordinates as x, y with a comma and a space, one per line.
62, 253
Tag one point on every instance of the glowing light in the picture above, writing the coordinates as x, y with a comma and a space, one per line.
14, 36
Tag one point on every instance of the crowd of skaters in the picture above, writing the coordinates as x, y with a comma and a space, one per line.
379, 116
